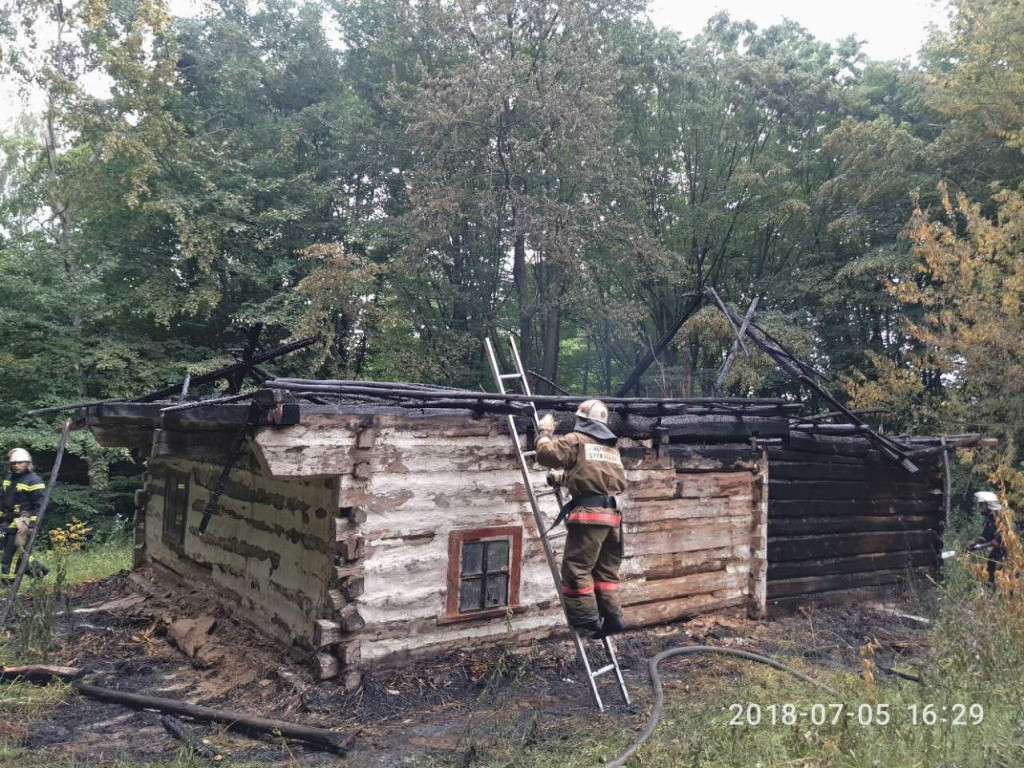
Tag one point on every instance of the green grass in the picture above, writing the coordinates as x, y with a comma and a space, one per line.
13, 756
98, 561
977, 657
22, 703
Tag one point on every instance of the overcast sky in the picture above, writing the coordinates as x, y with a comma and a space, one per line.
890, 29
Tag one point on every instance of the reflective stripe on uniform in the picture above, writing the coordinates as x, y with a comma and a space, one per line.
606, 586
572, 592
601, 518
26, 488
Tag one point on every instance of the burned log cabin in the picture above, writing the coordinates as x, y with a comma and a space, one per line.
369, 532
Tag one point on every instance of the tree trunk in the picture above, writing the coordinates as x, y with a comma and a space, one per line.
552, 339
522, 283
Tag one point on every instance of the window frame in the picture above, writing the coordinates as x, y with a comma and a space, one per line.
513, 534
173, 527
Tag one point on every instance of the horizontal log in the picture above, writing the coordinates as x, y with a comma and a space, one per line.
337, 599
681, 608
680, 510
351, 548
673, 485
325, 633
777, 453
350, 620
839, 545
691, 539
811, 584
709, 457
722, 429
212, 447
841, 489
677, 563
637, 592
353, 586
839, 446
140, 438
781, 606
802, 526
853, 564
326, 666
836, 507
873, 473
349, 653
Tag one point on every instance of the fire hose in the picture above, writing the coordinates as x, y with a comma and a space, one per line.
687, 650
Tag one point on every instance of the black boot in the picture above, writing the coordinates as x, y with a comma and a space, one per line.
36, 569
613, 624
588, 628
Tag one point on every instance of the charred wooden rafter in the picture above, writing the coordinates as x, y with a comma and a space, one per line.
806, 376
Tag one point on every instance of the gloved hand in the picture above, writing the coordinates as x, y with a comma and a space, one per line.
546, 426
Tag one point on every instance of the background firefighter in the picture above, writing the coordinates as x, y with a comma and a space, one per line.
991, 538
22, 493
593, 474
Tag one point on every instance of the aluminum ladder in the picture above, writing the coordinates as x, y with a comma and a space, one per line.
541, 521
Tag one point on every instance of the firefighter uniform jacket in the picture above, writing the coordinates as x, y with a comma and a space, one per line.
21, 496
592, 470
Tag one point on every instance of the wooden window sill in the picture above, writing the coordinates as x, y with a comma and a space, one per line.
490, 613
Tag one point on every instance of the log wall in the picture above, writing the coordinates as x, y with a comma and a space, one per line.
843, 521
269, 547
694, 524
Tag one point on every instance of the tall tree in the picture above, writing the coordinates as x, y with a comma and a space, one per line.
507, 114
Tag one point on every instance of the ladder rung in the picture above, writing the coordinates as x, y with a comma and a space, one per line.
510, 376
545, 492
529, 453
603, 670
560, 535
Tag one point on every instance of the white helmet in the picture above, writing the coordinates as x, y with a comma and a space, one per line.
16, 455
594, 410
592, 419
988, 499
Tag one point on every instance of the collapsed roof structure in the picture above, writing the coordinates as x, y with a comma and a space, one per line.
372, 522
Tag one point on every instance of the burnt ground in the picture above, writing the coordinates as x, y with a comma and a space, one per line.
125, 639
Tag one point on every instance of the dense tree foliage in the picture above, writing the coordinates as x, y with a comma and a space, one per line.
405, 179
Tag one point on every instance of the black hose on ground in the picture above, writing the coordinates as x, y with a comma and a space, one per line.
686, 650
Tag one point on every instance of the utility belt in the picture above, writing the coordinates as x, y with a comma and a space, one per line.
584, 509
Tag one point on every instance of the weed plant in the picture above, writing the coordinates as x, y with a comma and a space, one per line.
976, 658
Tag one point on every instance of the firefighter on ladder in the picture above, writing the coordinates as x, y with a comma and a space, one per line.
22, 492
593, 474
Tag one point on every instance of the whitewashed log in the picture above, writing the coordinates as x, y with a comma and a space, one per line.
326, 666
634, 592
325, 633
684, 607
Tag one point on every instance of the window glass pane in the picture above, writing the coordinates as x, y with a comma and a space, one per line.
472, 557
471, 595
497, 556
497, 590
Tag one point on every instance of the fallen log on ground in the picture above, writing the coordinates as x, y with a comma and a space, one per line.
236, 721
38, 673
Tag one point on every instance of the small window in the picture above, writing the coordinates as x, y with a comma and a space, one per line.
483, 571
175, 507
